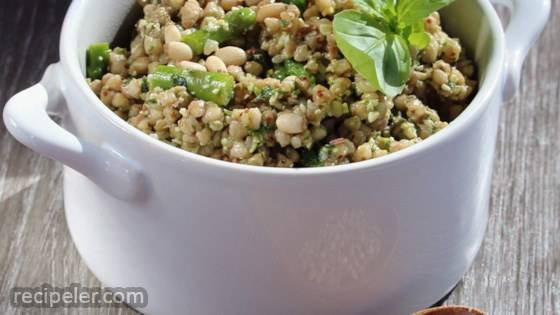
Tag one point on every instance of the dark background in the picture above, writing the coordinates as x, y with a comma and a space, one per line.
29, 33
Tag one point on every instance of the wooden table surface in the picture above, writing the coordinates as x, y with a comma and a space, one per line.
517, 270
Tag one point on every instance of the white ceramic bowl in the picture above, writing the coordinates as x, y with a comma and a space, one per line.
387, 236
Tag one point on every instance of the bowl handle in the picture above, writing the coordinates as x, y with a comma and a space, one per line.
528, 18
26, 116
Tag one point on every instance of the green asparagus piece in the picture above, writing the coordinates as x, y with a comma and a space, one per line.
236, 23
214, 87
160, 79
241, 20
97, 60
196, 40
168, 69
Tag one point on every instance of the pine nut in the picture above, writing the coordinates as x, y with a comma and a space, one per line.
232, 55
189, 65
171, 33
215, 64
270, 10
228, 4
179, 51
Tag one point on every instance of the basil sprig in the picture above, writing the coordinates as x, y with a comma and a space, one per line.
376, 38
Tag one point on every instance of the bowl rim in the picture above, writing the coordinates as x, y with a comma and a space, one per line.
486, 91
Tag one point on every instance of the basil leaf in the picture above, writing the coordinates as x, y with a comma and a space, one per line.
410, 11
373, 7
376, 54
411, 29
419, 40
397, 63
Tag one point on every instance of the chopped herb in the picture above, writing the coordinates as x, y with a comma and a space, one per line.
290, 67
179, 80
268, 128
326, 151
310, 158
265, 94
257, 139
120, 51
145, 86
152, 101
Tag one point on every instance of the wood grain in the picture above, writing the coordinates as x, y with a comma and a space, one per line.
517, 270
